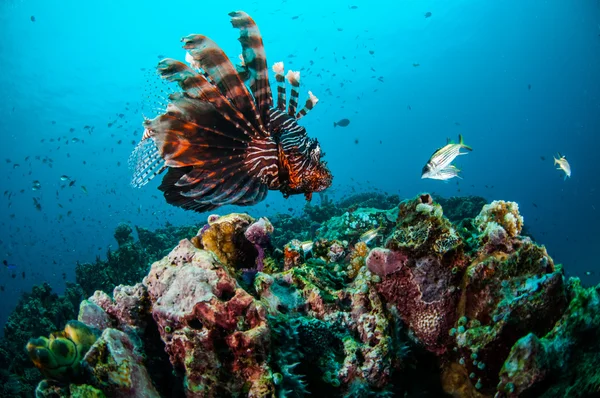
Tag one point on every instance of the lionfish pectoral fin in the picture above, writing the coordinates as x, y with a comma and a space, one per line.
146, 162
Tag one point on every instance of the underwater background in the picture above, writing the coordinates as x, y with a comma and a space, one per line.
520, 80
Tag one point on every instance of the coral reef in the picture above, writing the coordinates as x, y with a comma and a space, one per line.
464, 307
137, 254
37, 314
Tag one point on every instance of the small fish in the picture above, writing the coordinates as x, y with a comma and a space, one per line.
543, 158
445, 174
37, 204
427, 14
529, 87
416, 65
306, 246
36, 185
563, 165
442, 158
369, 235
65, 178
32, 18
341, 123
84, 189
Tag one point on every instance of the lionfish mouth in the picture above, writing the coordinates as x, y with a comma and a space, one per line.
221, 140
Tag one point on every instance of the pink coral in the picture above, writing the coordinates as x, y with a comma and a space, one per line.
199, 306
384, 262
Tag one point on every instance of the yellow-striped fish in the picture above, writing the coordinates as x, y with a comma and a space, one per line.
443, 157
369, 235
563, 165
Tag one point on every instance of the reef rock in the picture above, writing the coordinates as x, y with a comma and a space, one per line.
420, 271
213, 330
116, 368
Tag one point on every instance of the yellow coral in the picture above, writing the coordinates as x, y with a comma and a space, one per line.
357, 259
58, 357
223, 233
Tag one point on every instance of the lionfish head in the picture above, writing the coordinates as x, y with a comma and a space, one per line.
316, 177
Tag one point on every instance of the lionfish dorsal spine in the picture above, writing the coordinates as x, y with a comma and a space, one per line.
294, 79
254, 61
310, 103
280, 79
197, 85
211, 58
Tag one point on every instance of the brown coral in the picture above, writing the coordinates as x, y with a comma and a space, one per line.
357, 259
225, 237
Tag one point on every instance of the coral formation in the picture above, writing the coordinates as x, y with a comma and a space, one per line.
198, 307
466, 308
59, 356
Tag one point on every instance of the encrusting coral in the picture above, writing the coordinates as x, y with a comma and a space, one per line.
471, 309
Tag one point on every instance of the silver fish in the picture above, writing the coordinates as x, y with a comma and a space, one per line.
446, 174
443, 157
306, 246
563, 165
369, 235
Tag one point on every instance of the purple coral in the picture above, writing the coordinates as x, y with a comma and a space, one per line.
259, 234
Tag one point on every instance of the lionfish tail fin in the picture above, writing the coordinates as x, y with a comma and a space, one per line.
280, 78
294, 79
146, 162
310, 103
255, 61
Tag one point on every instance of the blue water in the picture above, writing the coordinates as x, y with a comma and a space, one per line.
80, 64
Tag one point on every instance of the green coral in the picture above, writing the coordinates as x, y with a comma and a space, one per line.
37, 313
569, 354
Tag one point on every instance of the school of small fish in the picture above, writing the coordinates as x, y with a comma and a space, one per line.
62, 191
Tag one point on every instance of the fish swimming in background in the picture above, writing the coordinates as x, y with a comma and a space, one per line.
342, 123
369, 235
222, 143
306, 246
563, 165
445, 174
442, 158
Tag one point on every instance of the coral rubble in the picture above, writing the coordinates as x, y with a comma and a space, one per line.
463, 307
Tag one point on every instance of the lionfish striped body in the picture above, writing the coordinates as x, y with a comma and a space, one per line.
222, 143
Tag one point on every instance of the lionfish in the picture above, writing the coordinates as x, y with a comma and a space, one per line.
222, 142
